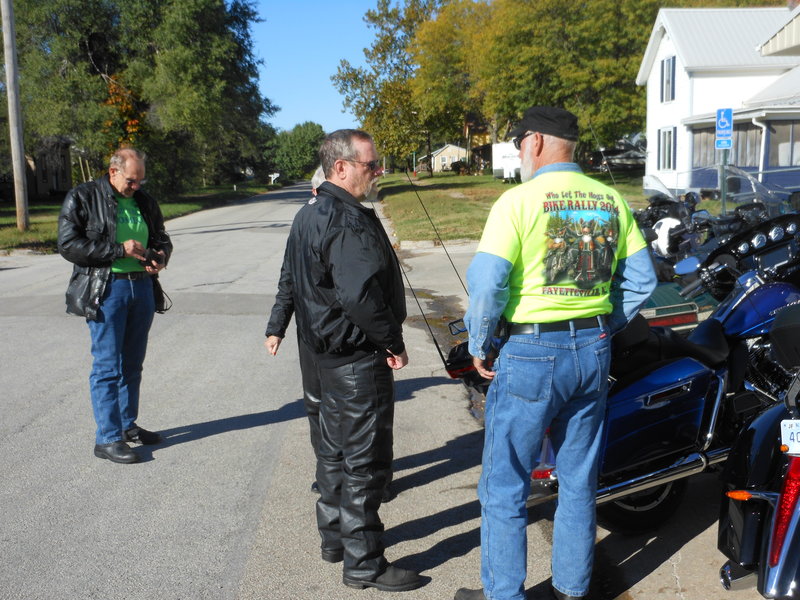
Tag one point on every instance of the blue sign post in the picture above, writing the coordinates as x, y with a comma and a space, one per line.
724, 139
724, 142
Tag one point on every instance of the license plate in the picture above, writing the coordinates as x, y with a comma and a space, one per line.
790, 435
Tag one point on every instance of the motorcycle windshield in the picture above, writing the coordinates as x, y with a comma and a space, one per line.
654, 188
741, 188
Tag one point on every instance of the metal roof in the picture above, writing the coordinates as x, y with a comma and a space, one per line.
718, 38
784, 91
785, 41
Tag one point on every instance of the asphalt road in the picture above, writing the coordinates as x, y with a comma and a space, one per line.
222, 508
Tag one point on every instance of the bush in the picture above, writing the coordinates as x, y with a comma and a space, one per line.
460, 167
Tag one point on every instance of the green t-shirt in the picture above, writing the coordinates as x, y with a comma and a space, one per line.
130, 226
563, 232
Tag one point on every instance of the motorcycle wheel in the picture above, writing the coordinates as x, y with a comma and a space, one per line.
643, 511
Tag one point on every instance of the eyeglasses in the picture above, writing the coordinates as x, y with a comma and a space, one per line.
141, 182
372, 165
519, 138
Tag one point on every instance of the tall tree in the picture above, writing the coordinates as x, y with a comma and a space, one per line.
443, 50
384, 85
296, 152
176, 78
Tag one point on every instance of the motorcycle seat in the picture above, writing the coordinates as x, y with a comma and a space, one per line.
639, 349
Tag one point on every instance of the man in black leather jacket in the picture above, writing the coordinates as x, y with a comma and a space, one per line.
349, 303
113, 233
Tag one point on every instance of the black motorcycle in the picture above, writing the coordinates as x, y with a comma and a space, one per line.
759, 526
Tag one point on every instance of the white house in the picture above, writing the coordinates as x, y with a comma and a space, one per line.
699, 60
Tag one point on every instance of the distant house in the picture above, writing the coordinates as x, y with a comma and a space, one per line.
446, 156
703, 59
50, 171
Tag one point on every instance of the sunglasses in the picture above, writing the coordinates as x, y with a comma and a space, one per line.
372, 165
519, 138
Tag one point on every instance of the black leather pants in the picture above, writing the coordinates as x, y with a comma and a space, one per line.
354, 461
311, 391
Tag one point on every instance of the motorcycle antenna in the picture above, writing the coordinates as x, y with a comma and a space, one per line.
596, 140
436, 231
424, 316
419, 304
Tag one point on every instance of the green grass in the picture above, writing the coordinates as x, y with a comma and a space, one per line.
459, 204
43, 214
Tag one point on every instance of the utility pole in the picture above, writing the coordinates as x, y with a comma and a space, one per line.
14, 115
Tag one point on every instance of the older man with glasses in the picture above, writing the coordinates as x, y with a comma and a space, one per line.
113, 233
551, 370
349, 304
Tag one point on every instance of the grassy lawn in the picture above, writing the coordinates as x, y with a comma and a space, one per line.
43, 214
459, 204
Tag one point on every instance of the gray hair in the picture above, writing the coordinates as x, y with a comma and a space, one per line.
339, 146
565, 146
318, 177
121, 156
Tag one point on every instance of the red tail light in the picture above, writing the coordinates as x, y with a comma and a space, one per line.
459, 373
786, 506
542, 473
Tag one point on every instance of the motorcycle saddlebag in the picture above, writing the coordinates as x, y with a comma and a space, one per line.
785, 337
657, 416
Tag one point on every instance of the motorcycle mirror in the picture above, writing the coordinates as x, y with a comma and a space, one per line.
688, 265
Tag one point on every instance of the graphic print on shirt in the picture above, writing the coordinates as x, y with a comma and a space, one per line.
580, 246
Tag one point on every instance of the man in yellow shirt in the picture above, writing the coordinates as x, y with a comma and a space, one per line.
562, 261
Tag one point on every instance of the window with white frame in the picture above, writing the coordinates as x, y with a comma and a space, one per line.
666, 149
668, 79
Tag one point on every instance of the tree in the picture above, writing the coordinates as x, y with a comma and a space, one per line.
443, 50
296, 152
176, 78
380, 96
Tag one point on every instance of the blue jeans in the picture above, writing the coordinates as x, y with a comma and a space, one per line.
119, 343
559, 380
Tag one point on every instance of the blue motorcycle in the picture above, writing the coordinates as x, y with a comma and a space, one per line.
680, 406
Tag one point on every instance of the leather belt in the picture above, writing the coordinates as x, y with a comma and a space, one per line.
527, 328
133, 275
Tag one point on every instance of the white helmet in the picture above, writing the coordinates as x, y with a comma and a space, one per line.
662, 229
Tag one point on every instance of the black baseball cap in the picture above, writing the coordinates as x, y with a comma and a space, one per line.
547, 119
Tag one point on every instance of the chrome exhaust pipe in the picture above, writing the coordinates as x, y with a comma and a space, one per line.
734, 578
694, 463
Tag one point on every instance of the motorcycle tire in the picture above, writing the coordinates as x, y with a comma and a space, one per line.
643, 511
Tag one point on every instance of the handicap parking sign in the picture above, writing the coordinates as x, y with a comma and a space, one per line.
724, 129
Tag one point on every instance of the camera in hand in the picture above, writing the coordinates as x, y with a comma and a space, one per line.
150, 256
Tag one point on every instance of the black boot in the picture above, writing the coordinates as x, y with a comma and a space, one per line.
465, 594
118, 452
392, 579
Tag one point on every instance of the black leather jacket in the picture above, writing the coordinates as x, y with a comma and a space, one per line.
87, 229
345, 280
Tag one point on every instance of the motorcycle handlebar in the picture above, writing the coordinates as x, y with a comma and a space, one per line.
692, 287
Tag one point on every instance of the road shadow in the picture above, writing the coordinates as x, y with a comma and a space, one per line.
623, 561
459, 454
405, 389
444, 550
196, 431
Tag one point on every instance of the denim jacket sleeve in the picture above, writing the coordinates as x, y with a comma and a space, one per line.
487, 281
634, 281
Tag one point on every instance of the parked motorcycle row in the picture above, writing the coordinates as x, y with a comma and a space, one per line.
722, 394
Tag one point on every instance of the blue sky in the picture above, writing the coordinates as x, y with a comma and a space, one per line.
301, 43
